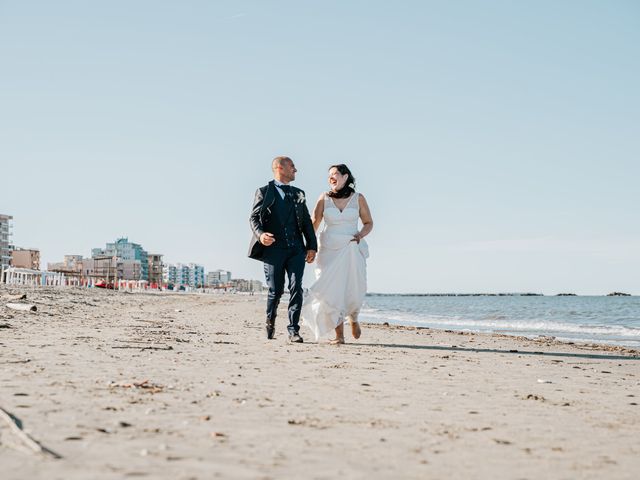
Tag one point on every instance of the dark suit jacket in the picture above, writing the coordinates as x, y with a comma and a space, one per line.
262, 206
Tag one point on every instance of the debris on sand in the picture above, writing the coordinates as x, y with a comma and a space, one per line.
23, 307
146, 386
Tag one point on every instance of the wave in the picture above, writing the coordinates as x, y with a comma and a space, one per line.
500, 323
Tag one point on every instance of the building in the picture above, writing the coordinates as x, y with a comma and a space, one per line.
107, 268
169, 274
100, 268
185, 275
123, 249
110, 269
71, 267
196, 275
128, 269
71, 264
241, 285
182, 275
5, 241
25, 258
155, 268
218, 277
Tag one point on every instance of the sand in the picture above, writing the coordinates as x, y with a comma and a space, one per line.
186, 386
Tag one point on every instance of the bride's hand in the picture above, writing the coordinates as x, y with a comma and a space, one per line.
356, 238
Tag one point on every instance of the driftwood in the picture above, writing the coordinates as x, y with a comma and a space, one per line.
24, 307
15, 426
16, 361
18, 297
167, 347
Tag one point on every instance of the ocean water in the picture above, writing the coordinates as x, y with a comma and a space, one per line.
611, 320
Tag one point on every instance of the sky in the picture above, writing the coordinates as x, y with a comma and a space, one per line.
497, 142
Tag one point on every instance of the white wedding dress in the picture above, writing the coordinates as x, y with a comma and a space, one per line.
341, 271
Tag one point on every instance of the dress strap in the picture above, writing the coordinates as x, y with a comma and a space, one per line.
353, 198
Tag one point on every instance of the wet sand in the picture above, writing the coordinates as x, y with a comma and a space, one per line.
186, 386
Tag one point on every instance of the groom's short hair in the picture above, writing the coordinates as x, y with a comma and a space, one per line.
279, 161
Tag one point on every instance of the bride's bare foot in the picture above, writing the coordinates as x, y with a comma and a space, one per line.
355, 330
339, 340
355, 326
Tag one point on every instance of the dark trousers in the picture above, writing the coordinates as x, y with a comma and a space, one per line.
277, 263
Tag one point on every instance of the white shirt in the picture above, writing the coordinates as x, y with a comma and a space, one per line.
278, 184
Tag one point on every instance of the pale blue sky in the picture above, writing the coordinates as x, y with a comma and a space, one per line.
498, 142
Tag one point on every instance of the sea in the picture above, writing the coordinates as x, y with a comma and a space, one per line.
599, 319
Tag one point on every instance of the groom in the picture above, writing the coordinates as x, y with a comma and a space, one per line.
283, 238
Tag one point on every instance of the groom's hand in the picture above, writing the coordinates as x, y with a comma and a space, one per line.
267, 239
311, 256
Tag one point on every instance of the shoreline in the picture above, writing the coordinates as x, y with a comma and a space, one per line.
186, 386
578, 319
541, 337
376, 294
538, 337
532, 341
533, 337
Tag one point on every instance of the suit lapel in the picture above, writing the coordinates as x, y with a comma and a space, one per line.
269, 197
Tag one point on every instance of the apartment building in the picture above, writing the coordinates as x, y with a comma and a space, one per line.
218, 277
25, 258
100, 267
196, 275
5, 241
71, 264
187, 275
242, 285
155, 268
129, 269
123, 249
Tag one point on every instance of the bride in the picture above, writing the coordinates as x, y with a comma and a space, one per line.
341, 276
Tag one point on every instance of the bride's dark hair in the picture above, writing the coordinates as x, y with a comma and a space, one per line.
350, 184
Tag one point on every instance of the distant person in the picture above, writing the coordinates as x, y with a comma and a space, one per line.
283, 239
341, 274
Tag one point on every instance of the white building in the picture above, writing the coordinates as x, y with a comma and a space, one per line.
168, 274
187, 275
5, 241
218, 277
242, 285
196, 275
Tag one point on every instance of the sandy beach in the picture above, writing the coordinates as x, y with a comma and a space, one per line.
186, 386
